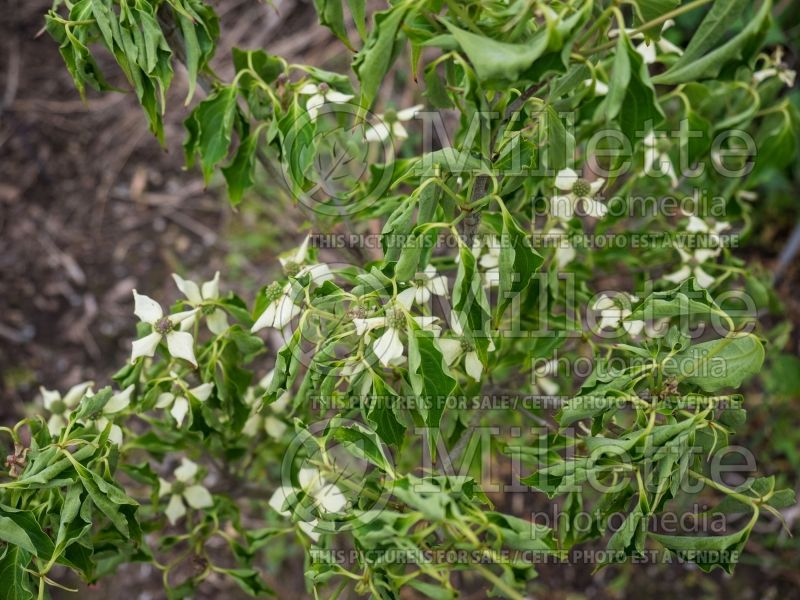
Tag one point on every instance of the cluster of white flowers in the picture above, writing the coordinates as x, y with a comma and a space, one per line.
692, 261
326, 496
185, 489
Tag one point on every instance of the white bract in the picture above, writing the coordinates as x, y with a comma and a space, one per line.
692, 260
656, 152
543, 383
199, 295
488, 259
186, 489
388, 347
649, 50
295, 265
179, 343
178, 404
280, 310
391, 124
565, 252
320, 94
426, 283
613, 311
600, 88
454, 349
328, 498
775, 67
580, 192
61, 407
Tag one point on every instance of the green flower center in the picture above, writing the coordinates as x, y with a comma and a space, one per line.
178, 487
663, 145
390, 116
395, 318
323, 88
292, 268
274, 291
58, 407
466, 345
582, 188
357, 312
163, 326
420, 281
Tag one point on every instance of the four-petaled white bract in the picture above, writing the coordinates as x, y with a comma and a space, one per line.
185, 489
179, 343
580, 193
327, 497
198, 295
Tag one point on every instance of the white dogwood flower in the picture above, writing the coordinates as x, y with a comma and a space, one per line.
179, 343
388, 347
775, 67
656, 152
692, 261
453, 349
280, 310
391, 124
178, 404
580, 192
424, 284
186, 489
294, 265
613, 311
328, 498
60, 407
320, 94
199, 295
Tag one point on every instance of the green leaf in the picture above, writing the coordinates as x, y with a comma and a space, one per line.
470, 304
718, 364
266, 66
240, 173
331, 15
518, 260
631, 98
381, 413
16, 581
20, 528
378, 54
699, 61
428, 375
500, 61
652, 9
209, 130
360, 442
707, 552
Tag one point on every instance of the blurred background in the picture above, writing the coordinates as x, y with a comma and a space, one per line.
91, 207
